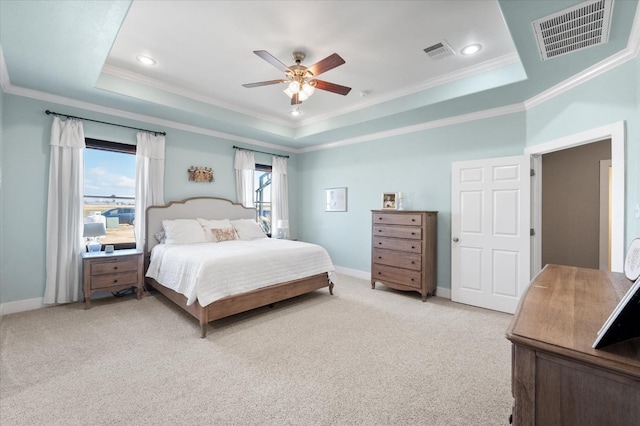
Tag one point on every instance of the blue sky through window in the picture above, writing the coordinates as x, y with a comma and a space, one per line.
109, 173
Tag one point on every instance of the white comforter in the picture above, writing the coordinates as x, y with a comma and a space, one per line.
210, 271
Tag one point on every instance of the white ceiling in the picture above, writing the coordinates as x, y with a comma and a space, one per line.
82, 54
204, 49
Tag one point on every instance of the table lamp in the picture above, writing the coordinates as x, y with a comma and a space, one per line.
92, 231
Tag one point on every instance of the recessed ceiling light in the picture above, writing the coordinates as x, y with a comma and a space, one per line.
146, 60
471, 49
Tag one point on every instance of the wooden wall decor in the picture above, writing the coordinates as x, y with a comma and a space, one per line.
200, 174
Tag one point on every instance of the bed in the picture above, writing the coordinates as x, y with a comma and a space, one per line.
195, 278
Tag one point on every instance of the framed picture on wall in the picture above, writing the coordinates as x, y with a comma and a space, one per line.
336, 199
389, 200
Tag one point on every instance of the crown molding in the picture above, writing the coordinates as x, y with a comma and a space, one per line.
450, 121
61, 100
160, 85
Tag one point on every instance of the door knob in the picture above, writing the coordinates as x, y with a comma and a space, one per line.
455, 239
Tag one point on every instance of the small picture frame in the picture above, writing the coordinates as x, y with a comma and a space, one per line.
389, 201
336, 199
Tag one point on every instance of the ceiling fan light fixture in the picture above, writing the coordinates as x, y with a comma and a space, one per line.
294, 87
308, 89
295, 112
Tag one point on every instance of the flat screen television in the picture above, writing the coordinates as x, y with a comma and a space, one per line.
624, 321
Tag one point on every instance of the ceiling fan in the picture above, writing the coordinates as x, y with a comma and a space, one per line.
302, 80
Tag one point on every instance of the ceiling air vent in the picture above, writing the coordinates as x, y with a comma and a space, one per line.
579, 27
439, 50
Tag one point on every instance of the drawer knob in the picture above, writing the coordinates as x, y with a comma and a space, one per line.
413, 263
413, 233
115, 267
379, 273
379, 257
380, 244
115, 281
413, 247
412, 279
413, 220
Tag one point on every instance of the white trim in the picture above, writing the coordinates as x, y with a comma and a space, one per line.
354, 273
161, 85
616, 132
478, 115
48, 97
21, 306
440, 291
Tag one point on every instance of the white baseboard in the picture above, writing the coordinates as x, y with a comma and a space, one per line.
440, 291
21, 306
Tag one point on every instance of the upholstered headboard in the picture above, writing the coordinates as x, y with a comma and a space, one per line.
192, 208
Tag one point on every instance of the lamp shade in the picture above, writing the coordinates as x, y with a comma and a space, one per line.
92, 230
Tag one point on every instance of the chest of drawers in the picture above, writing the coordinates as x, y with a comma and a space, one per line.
403, 254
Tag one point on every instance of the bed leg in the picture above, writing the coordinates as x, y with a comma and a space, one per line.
330, 288
203, 331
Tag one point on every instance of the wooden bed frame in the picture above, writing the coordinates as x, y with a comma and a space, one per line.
220, 208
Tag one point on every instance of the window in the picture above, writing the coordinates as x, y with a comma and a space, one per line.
262, 200
109, 190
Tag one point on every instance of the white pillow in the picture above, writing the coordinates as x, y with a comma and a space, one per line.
183, 231
248, 229
207, 225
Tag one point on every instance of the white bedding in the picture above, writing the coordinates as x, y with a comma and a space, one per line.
210, 271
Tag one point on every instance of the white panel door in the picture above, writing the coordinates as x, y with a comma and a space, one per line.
490, 222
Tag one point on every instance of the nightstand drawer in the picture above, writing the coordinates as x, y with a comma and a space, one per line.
398, 259
397, 219
110, 280
396, 244
114, 265
397, 231
406, 277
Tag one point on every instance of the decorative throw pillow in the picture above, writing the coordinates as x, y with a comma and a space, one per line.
160, 237
248, 229
209, 224
224, 234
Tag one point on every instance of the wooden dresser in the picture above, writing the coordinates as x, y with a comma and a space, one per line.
403, 250
557, 378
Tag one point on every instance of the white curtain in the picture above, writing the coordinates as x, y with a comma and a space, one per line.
149, 179
279, 195
245, 164
64, 243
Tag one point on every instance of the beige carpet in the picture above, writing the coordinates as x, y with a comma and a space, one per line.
360, 357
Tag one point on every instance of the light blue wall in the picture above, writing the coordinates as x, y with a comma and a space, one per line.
1, 193
418, 164
606, 99
26, 131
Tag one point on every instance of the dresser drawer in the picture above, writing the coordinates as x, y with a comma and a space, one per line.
396, 244
397, 219
119, 279
114, 265
398, 259
397, 231
406, 277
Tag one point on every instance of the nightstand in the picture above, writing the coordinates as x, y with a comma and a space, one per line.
111, 272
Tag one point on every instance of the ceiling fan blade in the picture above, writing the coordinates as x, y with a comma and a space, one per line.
328, 63
332, 87
272, 60
263, 83
295, 99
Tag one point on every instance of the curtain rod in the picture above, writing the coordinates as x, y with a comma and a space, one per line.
104, 122
261, 152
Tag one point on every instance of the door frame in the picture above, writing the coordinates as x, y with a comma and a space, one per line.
615, 132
